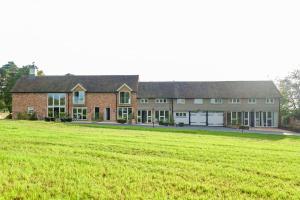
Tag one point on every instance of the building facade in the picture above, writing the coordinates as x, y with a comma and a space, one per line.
108, 98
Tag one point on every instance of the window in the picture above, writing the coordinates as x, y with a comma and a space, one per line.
30, 110
180, 114
144, 116
162, 115
236, 118
216, 101
235, 101
143, 100
252, 101
269, 101
56, 105
246, 118
79, 113
124, 98
198, 101
161, 101
124, 113
180, 101
78, 97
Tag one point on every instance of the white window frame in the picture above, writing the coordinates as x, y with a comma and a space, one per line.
77, 101
216, 101
180, 101
246, 119
86, 115
149, 116
129, 99
161, 100
252, 101
144, 101
30, 110
59, 106
235, 101
125, 112
198, 101
162, 117
270, 100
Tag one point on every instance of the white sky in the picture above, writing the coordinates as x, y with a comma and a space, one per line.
159, 40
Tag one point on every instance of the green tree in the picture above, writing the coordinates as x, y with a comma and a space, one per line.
9, 74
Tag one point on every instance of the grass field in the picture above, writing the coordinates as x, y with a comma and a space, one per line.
40, 160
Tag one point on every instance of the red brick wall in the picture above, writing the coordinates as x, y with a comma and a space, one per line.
21, 102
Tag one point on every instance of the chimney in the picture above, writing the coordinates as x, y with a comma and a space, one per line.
32, 70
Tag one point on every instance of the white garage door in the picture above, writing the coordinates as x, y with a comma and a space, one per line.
215, 119
198, 118
181, 117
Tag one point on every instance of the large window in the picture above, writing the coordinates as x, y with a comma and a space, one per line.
56, 105
78, 97
124, 113
124, 98
79, 113
162, 115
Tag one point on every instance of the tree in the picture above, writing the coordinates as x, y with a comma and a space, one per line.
290, 90
9, 74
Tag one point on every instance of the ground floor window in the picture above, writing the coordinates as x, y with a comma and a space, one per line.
144, 116
264, 119
124, 113
79, 113
162, 115
236, 118
246, 118
56, 105
56, 112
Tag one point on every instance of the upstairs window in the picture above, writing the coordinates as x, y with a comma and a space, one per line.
180, 101
161, 101
252, 101
216, 101
143, 100
270, 101
78, 97
198, 101
124, 98
235, 101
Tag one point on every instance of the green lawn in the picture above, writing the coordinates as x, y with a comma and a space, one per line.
43, 160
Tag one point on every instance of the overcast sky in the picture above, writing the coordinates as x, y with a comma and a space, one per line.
159, 40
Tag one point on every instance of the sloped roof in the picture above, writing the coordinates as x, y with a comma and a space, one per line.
92, 83
219, 89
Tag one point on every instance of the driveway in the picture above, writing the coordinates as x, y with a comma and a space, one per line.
272, 131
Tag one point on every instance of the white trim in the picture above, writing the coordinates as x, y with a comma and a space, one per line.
235, 101
123, 86
76, 107
78, 85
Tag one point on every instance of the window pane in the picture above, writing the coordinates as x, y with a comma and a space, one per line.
62, 100
56, 99
50, 112
50, 99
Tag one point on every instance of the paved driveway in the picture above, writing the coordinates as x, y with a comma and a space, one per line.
272, 131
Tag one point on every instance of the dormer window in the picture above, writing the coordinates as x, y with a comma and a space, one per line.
124, 98
78, 97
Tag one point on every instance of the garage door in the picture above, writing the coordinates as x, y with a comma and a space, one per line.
215, 119
198, 118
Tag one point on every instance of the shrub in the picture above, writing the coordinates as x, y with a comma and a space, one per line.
244, 127
9, 116
33, 116
22, 116
49, 119
121, 121
181, 124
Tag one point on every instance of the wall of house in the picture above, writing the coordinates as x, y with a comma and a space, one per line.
21, 102
151, 105
227, 106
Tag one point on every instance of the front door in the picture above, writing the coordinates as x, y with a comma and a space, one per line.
97, 115
107, 114
144, 116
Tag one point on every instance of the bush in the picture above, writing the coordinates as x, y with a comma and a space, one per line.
244, 127
22, 116
181, 124
33, 116
9, 116
121, 121
49, 119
